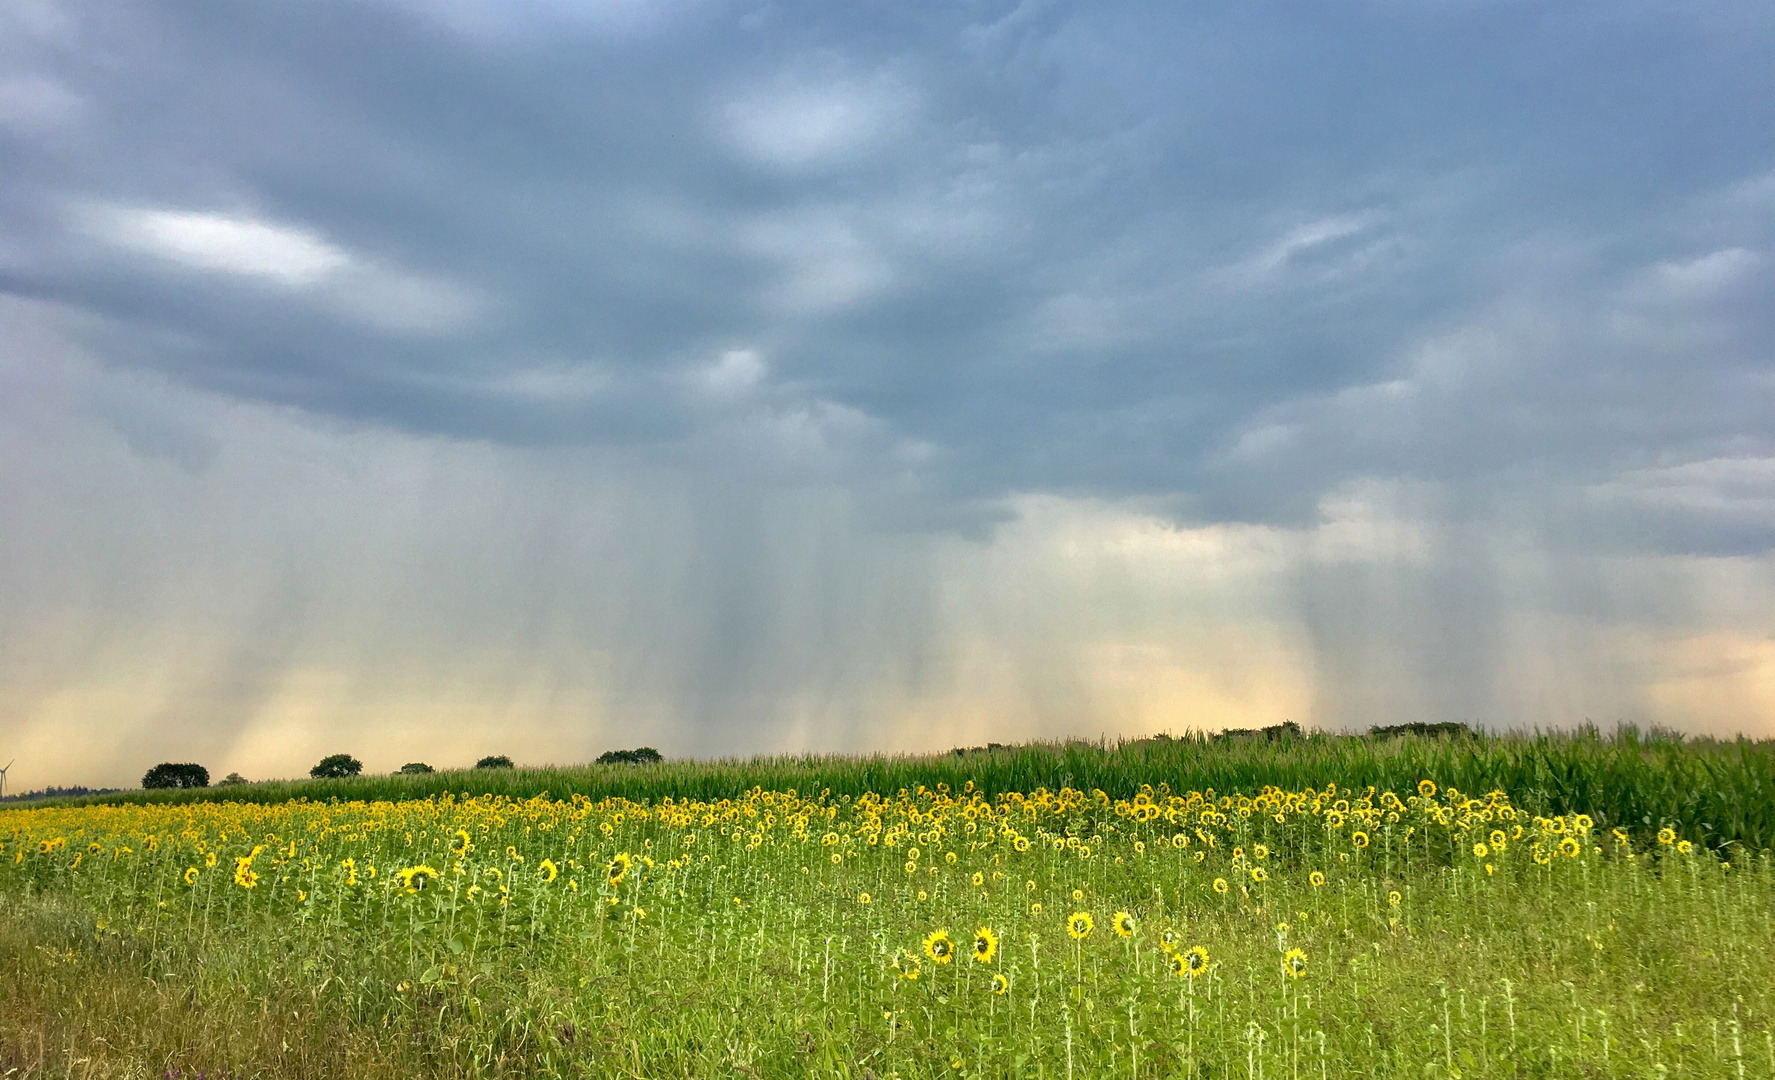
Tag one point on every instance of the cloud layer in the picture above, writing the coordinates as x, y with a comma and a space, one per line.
778, 376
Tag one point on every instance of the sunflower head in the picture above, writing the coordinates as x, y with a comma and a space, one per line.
1317, 878
1079, 925
940, 947
1000, 984
1427, 788
985, 945
1260, 851
416, 878
1196, 961
1294, 963
1123, 924
619, 867
979, 878
1220, 885
460, 843
1667, 835
1570, 847
1684, 847
1360, 839
1168, 940
191, 876
1177, 964
1480, 851
547, 870
1394, 899
1258, 873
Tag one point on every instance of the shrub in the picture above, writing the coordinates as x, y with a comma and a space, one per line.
495, 761
646, 755
416, 768
168, 775
336, 767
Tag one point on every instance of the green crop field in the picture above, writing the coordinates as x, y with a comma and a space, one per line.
1292, 907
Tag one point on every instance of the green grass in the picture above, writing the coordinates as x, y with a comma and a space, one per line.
746, 949
1721, 792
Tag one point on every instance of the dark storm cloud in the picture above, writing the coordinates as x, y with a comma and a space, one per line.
794, 375
1077, 248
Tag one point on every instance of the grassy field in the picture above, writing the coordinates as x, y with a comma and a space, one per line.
1719, 791
1025, 912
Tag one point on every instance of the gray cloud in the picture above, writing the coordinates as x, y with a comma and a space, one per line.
804, 324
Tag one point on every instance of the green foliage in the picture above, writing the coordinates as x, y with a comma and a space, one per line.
416, 768
646, 755
336, 767
170, 775
1721, 791
494, 761
783, 937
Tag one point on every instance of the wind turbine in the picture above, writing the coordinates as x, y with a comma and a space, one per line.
3, 776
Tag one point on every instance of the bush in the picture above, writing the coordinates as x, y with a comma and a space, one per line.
496, 761
646, 755
168, 775
416, 768
231, 779
336, 767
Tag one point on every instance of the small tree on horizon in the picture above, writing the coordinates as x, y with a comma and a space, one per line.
416, 768
231, 779
494, 761
167, 774
646, 755
336, 767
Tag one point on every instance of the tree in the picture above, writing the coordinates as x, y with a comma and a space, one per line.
495, 761
168, 775
416, 768
336, 767
231, 779
646, 755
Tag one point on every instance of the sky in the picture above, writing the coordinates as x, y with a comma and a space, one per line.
425, 380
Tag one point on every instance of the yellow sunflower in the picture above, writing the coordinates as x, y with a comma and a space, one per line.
1294, 963
1079, 925
1177, 963
1123, 923
1667, 835
1000, 984
1316, 878
1258, 873
416, 879
1360, 839
1569, 847
191, 876
1220, 885
460, 844
547, 870
1480, 851
939, 947
1168, 940
985, 945
619, 867
1195, 961
1427, 789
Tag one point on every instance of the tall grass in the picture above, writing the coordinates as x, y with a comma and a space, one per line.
1722, 792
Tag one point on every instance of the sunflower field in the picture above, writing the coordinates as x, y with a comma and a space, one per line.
1316, 932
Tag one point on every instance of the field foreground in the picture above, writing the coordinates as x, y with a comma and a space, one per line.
931, 932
